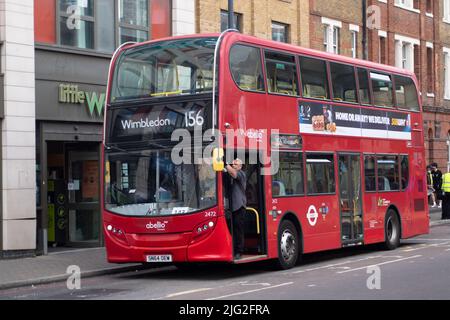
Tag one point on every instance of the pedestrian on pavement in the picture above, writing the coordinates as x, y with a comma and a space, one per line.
446, 200
238, 205
437, 184
430, 189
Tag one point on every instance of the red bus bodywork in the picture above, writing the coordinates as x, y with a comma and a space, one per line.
253, 111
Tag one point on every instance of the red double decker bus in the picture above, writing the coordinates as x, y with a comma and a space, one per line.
339, 144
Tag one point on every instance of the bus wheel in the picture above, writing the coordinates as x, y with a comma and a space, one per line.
391, 230
288, 245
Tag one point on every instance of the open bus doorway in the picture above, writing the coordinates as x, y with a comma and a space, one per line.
255, 244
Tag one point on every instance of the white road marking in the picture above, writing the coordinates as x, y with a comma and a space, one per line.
187, 292
424, 246
250, 291
417, 239
245, 283
380, 264
342, 263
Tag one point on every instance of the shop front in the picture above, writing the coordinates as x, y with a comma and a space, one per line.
69, 112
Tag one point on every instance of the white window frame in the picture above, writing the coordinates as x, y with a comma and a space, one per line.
446, 11
446, 73
331, 35
354, 30
407, 5
404, 52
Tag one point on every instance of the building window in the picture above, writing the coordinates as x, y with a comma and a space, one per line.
404, 52
133, 20
408, 4
447, 74
429, 7
354, 44
237, 20
430, 78
89, 24
280, 32
446, 11
76, 23
331, 39
382, 53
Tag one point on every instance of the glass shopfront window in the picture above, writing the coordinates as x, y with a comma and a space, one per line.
102, 25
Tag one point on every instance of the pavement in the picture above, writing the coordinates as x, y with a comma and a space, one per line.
91, 263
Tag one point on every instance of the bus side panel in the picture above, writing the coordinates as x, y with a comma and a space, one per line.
325, 232
373, 223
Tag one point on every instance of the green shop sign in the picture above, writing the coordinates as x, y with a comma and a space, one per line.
69, 93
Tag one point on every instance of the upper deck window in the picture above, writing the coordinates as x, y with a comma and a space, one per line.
246, 68
406, 93
314, 78
382, 89
281, 73
344, 83
166, 68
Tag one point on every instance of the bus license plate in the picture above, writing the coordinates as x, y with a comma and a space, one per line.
160, 258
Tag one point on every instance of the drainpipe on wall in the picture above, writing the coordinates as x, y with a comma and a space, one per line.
230, 14
364, 29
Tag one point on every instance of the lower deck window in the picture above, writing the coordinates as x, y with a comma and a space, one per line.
320, 173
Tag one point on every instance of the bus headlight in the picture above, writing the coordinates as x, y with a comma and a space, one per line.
202, 230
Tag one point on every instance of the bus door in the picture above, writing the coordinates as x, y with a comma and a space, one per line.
350, 198
255, 228
254, 223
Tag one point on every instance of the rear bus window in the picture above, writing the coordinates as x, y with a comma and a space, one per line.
343, 81
314, 78
404, 167
246, 68
406, 93
320, 173
281, 73
382, 89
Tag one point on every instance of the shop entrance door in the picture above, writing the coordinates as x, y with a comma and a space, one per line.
83, 188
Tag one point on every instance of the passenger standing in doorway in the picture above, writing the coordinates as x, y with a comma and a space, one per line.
446, 200
437, 184
238, 204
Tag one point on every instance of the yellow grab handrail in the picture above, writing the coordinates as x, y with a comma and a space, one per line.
257, 218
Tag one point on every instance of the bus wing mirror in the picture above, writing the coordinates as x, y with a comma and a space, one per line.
217, 157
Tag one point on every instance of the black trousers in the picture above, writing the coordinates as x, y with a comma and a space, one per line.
238, 230
446, 206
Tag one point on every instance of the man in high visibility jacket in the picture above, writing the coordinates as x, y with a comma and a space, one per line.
446, 201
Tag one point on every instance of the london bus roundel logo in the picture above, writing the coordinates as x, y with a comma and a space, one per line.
312, 215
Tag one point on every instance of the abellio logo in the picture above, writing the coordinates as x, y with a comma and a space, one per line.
157, 225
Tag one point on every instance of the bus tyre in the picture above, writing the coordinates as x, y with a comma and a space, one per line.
288, 245
391, 230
